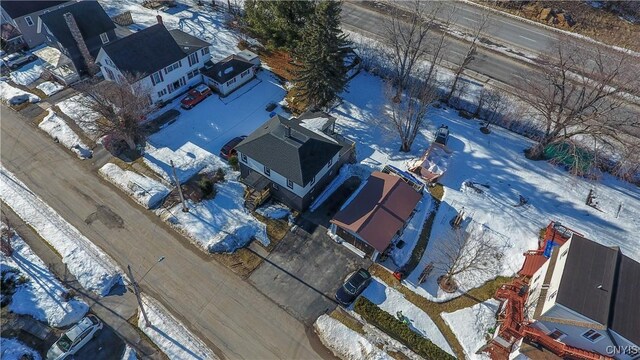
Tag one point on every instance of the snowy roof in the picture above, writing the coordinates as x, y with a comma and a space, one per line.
289, 149
379, 210
247, 55
227, 68
151, 49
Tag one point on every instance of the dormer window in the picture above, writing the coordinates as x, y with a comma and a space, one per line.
267, 171
104, 38
28, 20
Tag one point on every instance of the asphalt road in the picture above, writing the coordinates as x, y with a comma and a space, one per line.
236, 320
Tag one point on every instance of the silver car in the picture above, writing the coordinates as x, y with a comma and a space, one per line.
18, 59
75, 338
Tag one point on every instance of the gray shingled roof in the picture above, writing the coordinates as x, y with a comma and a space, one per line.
90, 17
151, 49
227, 68
588, 266
16, 9
298, 158
625, 319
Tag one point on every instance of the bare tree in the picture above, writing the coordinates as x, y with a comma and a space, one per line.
465, 252
407, 28
408, 113
491, 105
437, 50
470, 55
584, 94
122, 106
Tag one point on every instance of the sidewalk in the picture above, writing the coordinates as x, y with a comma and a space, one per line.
114, 310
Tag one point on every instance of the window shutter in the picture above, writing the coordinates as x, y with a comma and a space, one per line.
153, 80
161, 78
196, 54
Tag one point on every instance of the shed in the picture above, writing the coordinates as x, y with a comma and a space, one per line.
250, 57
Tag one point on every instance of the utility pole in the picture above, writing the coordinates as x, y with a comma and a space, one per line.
136, 291
177, 181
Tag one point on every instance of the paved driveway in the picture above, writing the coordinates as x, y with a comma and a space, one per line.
304, 271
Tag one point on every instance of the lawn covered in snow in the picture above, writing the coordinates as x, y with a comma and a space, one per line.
345, 343
392, 301
41, 296
13, 95
49, 87
496, 160
471, 326
94, 269
58, 129
170, 335
143, 189
13, 349
83, 117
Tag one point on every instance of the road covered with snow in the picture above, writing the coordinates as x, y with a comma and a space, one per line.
94, 269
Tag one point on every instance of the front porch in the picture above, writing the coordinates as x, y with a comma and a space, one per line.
258, 190
58, 65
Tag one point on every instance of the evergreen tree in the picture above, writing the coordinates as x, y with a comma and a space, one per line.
320, 73
278, 22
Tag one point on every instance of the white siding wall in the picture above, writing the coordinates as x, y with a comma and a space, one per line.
171, 77
558, 270
281, 180
535, 288
226, 89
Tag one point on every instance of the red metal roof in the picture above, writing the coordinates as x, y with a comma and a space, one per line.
532, 262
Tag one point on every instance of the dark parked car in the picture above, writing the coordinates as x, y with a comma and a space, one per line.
195, 96
354, 286
229, 149
442, 135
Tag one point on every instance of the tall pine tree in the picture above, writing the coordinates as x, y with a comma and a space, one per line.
280, 22
320, 73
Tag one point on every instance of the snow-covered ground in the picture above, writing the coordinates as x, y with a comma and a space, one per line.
57, 128
170, 335
93, 268
496, 160
49, 87
143, 189
221, 224
14, 95
471, 326
27, 74
41, 295
84, 118
274, 211
345, 343
13, 349
392, 301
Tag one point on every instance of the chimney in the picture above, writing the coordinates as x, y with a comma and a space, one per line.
84, 50
159, 17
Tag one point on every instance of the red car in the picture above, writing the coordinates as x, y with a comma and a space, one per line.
195, 96
228, 150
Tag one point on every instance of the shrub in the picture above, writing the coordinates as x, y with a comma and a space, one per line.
233, 162
399, 330
206, 185
437, 191
219, 175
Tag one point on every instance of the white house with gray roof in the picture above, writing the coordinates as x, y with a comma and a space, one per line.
293, 159
587, 296
166, 62
232, 72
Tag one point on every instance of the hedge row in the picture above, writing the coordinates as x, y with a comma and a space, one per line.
399, 330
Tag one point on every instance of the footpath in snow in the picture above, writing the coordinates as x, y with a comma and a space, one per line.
392, 301
41, 295
346, 343
94, 269
471, 325
173, 338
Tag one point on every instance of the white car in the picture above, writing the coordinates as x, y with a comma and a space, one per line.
18, 59
75, 338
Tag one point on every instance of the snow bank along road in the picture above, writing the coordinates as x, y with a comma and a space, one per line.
235, 319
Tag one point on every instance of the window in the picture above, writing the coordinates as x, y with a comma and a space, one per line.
193, 58
231, 81
192, 74
162, 92
564, 253
109, 75
108, 61
553, 294
592, 335
29, 20
104, 37
536, 279
172, 67
205, 51
267, 171
330, 162
557, 334
244, 74
289, 184
156, 78
244, 158
313, 180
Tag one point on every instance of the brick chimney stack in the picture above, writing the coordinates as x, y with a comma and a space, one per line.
159, 17
84, 50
